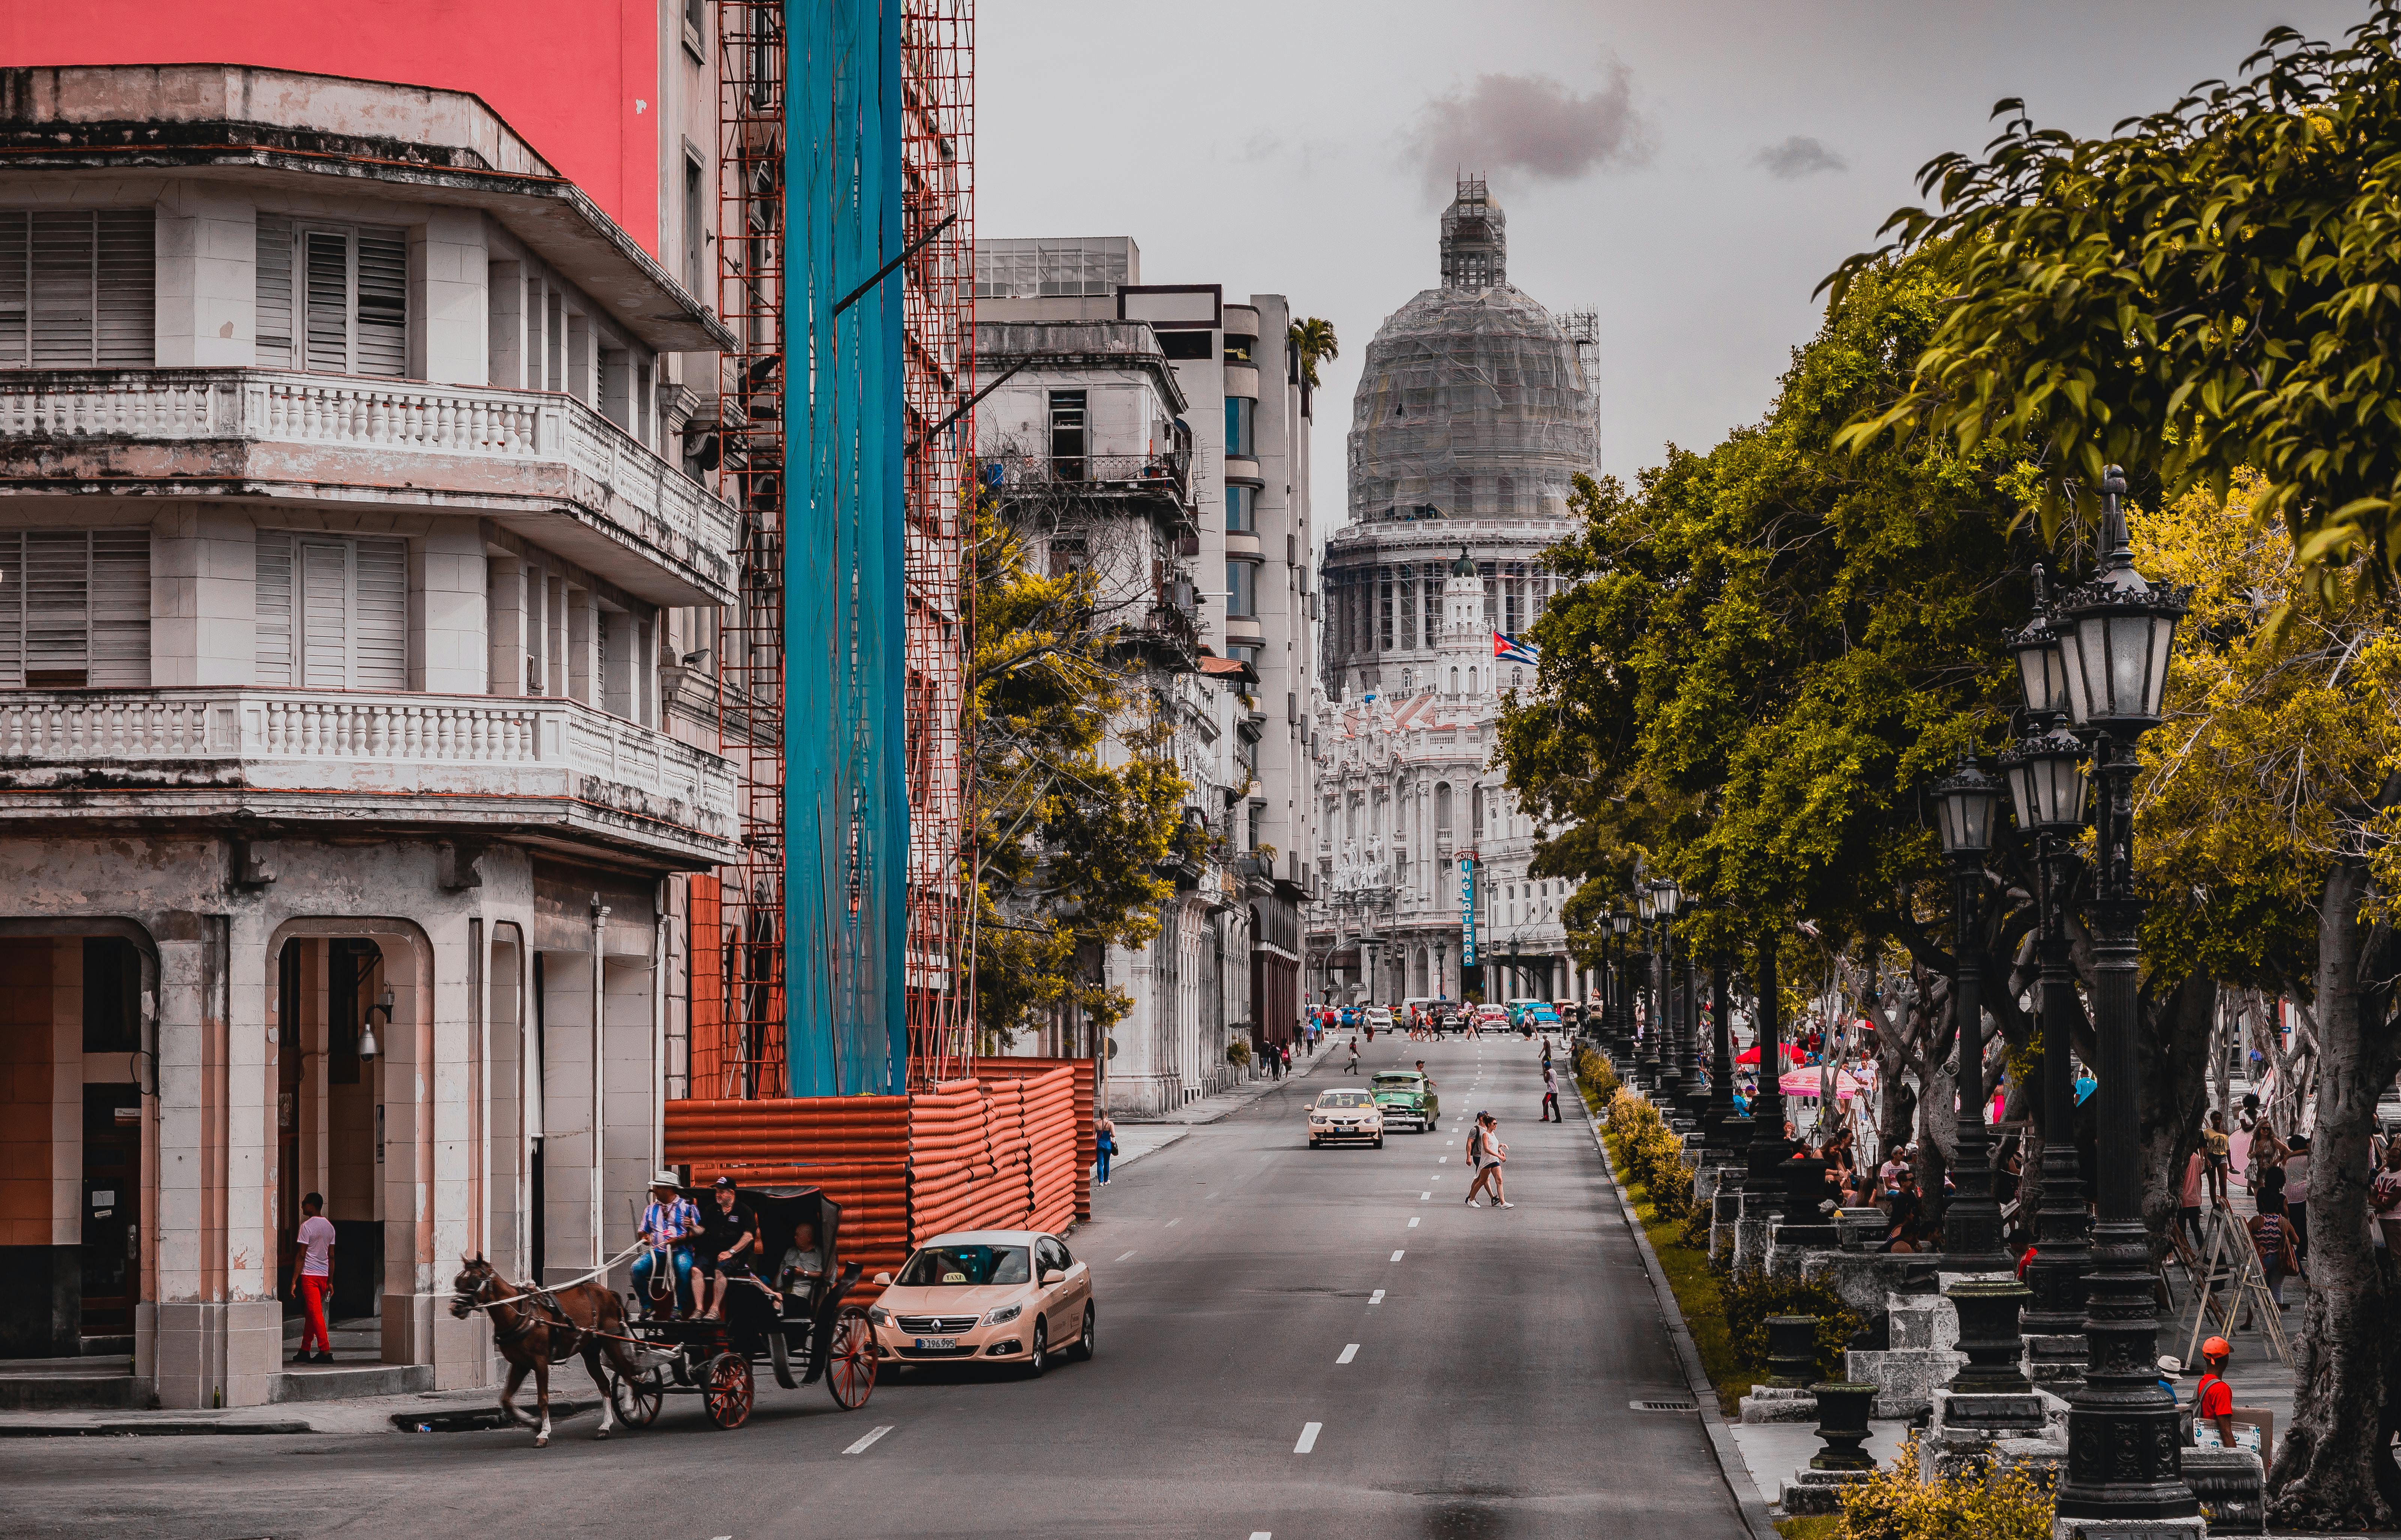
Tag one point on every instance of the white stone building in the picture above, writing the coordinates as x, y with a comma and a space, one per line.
1473, 413
340, 525
1112, 368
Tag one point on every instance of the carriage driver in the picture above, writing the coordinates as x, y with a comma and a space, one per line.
669, 1226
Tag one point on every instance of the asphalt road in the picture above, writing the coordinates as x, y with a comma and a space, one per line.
1294, 1344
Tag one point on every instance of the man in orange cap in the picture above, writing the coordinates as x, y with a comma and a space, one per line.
2215, 1401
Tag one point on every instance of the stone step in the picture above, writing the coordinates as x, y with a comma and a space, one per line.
340, 1382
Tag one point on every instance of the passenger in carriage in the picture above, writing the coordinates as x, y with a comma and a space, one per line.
729, 1247
803, 1261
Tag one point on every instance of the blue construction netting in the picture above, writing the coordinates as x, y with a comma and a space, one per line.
846, 801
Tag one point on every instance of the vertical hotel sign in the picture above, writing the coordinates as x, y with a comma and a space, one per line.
1467, 911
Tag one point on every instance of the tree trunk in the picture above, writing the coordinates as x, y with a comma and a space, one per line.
2334, 1468
2173, 1097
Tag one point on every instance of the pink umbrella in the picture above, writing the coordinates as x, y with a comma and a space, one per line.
1807, 1082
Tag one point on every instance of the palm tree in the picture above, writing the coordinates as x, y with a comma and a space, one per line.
1314, 339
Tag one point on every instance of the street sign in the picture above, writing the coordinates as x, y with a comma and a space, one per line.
1467, 911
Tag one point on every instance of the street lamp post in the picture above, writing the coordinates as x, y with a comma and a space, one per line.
1696, 1090
1727, 1133
1646, 1063
1972, 1226
2116, 636
1763, 1184
1666, 901
1620, 924
2048, 785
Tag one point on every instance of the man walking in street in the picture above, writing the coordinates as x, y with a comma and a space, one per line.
1550, 1095
315, 1278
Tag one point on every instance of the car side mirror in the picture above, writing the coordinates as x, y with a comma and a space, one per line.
1051, 1278
884, 1280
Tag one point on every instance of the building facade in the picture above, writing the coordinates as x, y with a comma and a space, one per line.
344, 546
1473, 414
1119, 377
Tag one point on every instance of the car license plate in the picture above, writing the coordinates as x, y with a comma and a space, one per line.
937, 1345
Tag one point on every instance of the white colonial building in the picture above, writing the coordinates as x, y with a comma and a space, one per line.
341, 523
1473, 414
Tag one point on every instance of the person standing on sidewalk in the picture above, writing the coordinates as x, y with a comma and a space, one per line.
1550, 1095
315, 1279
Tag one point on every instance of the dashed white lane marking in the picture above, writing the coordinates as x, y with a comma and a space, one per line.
1421, 1197
1413, 1221
1377, 1298
1172, 1223
1261, 1534
1442, 1159
1347, 1354
1397, 1255
860, 1446
1125, 1256
1308, 1438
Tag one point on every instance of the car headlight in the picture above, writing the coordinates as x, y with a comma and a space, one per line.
1005, 1314
878, 1315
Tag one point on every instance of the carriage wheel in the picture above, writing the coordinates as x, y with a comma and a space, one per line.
780, 1352
850, 1361
638, 1398
726, 1390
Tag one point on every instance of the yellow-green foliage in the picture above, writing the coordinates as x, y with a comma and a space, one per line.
1653, 1155
1894, 1505
1593, 1074
1752, 1297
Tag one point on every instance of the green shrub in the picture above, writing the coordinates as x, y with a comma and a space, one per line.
1894, 1505
1594, 1076
1238, 1051
1752, 1297
1652, 1155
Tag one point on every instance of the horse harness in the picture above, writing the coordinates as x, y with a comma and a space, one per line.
527, 1308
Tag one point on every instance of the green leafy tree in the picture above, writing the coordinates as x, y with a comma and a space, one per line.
1078, 804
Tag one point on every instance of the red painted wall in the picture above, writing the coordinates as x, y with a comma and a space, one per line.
577, 79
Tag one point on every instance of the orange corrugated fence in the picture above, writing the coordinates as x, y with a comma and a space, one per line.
1010, 1150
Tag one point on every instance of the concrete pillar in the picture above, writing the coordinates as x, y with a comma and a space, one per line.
568, 1073
504, 312
203, 596
449, 257
447, 650
207, 293
629, 1036
509, 632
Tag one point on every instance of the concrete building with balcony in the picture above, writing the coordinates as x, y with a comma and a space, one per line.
342, 524
1124, 381
1475, 413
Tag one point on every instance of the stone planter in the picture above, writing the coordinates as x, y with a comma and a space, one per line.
1791, 1350
1842, 1409
1988, 1334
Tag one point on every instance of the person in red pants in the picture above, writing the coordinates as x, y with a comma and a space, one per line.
315, 1279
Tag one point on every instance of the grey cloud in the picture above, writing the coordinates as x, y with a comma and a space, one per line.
1799, 156
1532, 125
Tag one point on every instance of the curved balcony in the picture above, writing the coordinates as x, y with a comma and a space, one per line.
294, 758
545, 465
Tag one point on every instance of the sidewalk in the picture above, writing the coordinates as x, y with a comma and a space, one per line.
1210, 1109
428, 1411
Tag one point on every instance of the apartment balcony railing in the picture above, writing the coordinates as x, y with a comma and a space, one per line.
1168, 474
521, 457
362, 760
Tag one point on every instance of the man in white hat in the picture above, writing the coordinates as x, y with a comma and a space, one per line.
669, 1226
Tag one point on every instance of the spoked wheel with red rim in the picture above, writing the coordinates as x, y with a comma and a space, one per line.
638, 1397
726, 1390
850, 1361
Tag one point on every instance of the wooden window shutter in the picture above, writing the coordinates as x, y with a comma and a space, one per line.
121, 608
16, 285
326, 301
273, 332
12, 610
272, 607
63, 283
58, 609
324, 635
383, 303
379, 615
127, 285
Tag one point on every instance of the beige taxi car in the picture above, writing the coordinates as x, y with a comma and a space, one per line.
1345, 1113
1015, 1297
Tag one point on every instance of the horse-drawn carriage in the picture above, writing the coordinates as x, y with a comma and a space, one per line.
813, 1336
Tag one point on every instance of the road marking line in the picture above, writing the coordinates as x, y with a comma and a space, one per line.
1421, 1197
1125, 1256
1308, 1438
860, 1446
1347, 1354
1442, 1159
1261, 1534
1377, 1298
1413, 1222
1397, 1255
1172, 1223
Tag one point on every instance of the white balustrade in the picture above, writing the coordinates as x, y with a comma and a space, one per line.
340, 410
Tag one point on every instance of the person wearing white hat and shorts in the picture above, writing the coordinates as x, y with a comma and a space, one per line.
669, 1226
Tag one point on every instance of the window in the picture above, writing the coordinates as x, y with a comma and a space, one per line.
1241, 590
1384, 608
1186, 346
1067, 437
1244, 654
1442, 808
1241, 418
332, 611
74, 608
112, 995
77, 289
1238, 350
1408, 607
332, 299
695, 227
1242, 509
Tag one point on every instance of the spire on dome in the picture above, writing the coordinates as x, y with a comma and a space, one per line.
1474, 240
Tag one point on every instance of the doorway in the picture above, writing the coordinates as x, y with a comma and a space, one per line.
112, 1213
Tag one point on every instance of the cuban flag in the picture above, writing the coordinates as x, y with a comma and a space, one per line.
1510, 650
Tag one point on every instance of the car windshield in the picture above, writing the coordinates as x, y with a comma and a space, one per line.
1343, 1098
966, 1266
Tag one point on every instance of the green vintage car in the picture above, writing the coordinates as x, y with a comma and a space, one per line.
1403, 1097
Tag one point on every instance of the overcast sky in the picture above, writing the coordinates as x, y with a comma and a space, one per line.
1690, 168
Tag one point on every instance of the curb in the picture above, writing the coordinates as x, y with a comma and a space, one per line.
1731, 1466
185, 1428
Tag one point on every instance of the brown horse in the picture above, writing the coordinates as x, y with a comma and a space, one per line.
535, 1329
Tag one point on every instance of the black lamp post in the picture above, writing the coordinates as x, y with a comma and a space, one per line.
1972, 1224
2048, 785
1717, 1121
1621, 922
1665, 896
1646, 1061
1764, 1179
2115, 633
